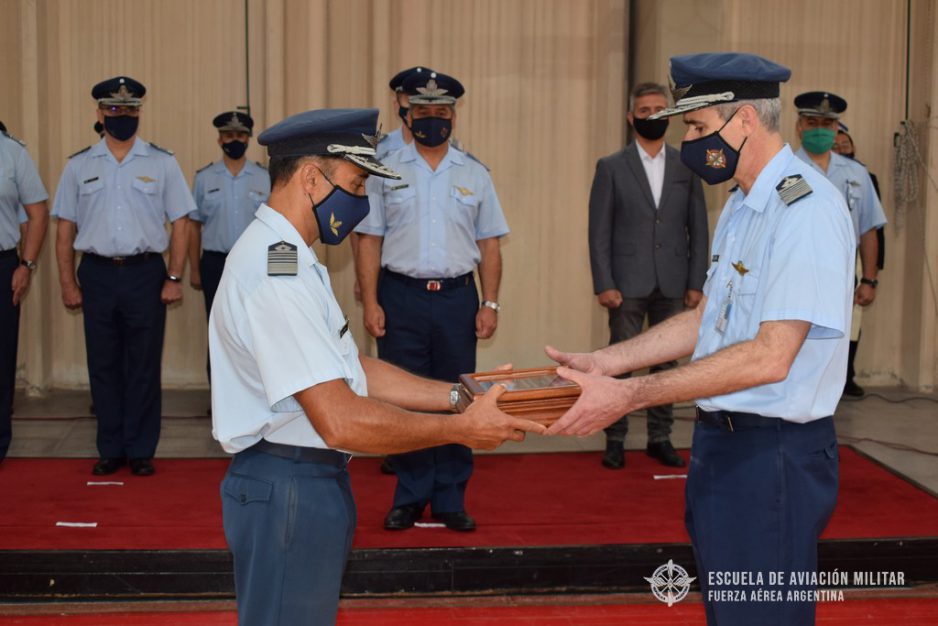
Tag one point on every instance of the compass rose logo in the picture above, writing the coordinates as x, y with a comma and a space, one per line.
670, 583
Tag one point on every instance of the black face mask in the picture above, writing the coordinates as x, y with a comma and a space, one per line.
234, 149
849, 155
431, 131
402, 113
121, 127
650, 129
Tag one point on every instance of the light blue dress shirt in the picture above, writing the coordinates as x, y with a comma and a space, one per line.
772, 262
226, 204
270, 337
121, 208
431, 221
391, 142
19, 185
854, 182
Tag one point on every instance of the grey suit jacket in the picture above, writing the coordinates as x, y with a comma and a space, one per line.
635, 247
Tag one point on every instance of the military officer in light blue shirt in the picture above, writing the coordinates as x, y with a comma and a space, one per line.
289, 388
227, 194
769, 343
419, 246
400, 136
22, 201
112, 203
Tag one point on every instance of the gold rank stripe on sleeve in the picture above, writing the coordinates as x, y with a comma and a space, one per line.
793, 188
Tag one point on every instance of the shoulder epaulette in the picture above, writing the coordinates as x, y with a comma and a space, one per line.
793, 188
202, 169
14, 138
476, 159
162, 149
82, 151
261, 165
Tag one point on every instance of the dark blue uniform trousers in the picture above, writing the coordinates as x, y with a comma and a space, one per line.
124, 327
9, 338
289, 525
211, 266
758, 499
431, 334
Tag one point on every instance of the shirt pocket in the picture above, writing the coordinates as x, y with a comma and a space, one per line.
465, 200
90, 186
257, 197
748, 283
149, 187
400, 206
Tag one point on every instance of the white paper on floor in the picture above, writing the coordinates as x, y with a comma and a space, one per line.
669, 476
429, 525
77, 524
99, 483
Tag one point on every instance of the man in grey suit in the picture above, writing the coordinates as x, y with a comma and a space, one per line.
648, 249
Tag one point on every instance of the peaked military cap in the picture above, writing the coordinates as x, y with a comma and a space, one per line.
397, 82
351, 134
119, 91
432, 88
235, 121
702, 80
820, 104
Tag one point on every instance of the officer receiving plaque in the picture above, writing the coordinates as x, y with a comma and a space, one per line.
537, 394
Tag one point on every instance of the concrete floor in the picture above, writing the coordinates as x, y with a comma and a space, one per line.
898, 428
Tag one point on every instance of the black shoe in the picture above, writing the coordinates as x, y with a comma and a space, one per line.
107, 466
403, 517
386, 467
141, 467
615, 455
853, 390
664, 452
460, 521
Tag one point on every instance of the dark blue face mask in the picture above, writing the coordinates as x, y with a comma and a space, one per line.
711, 157
402, 113
338, 213
121, 127
431, 131
234, 149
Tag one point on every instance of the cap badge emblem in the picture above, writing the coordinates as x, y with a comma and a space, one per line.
432, 89
122, 94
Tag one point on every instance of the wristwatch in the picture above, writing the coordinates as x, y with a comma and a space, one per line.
492, 305
30, 265
454, 397
173, 279
871, 282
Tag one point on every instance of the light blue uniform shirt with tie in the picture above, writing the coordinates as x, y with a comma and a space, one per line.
431, 220
773, 262
854, 182
121, 209
391, 142
19, 184
270, 337
226, 204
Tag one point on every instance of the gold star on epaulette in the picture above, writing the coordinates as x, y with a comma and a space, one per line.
432, 89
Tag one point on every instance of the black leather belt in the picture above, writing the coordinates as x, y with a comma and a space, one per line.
6, 254
303, 455
214, 253
733, 420
120, 260
431, 284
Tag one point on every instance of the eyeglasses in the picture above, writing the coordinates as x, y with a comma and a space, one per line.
112, 110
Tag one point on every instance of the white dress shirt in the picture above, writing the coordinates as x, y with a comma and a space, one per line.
654, 170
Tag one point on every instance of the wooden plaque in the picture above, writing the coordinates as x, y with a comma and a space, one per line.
537, 394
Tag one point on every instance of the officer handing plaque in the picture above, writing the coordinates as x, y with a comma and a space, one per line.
537, 394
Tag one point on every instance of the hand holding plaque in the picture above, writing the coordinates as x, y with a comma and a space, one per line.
537, 394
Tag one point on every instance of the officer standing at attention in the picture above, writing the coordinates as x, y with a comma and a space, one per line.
425, 235
769, 343
227, 194
818, 121
401, 136
290, 391
21, 192
112, 204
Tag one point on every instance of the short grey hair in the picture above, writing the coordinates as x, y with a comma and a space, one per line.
646, 89
768, 110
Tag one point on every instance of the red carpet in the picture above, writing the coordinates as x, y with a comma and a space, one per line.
529, 500
881, 612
